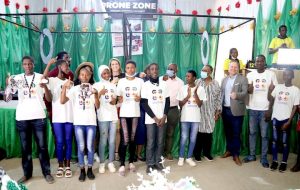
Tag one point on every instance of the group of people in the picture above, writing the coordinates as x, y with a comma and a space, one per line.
145, 109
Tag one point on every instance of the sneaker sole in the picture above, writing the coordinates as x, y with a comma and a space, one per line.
208, 159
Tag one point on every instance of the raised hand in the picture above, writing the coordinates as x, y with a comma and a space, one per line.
102, 91
68, 84
189, 93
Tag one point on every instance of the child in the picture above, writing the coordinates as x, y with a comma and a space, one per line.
190, 100
62, 118
128, 92
156, 103
107, 117
84, 99
285, 98
233, 55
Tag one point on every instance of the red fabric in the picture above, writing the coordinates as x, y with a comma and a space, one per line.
178, 11
208, 11
219, 9
59, 10
54, 73
237, 5
26, 7
45, 9
298, 126
194, 12
6, 2
17, 5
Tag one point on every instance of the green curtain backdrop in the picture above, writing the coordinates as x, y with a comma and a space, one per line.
182, 49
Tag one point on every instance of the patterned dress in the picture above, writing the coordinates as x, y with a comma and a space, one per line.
210, 106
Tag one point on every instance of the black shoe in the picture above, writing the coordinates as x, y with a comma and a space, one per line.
209, 158
159, 167
295, 168
198, 159
149, 169
49, 179
282, 167
274, 165
90, 174
23, 179
82, 175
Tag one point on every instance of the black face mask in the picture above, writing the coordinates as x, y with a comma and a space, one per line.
152, 80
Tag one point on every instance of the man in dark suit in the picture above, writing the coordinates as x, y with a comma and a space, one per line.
234, 95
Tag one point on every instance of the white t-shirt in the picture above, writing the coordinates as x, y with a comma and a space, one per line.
156, 96
83, 102
174, 85
258, 100
30, 104
106, 112
285, 99
128, 89
61, 113
190, 111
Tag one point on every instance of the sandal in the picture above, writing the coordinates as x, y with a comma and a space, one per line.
68, 172
60, 172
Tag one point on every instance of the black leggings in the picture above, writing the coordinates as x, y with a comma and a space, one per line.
127, 134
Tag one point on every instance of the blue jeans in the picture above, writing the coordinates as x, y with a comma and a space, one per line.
232, 127
85, 135
188, 130
63, 138
37, 127
258, 118
155, 143
282, 136
107, 133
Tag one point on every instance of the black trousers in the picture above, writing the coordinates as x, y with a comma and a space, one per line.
203, 144
37, 127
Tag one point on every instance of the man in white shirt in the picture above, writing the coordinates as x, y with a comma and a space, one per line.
285, 100
31, 118
174, 85
261, 81
156, 103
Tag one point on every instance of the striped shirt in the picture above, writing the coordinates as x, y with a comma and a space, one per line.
210, 106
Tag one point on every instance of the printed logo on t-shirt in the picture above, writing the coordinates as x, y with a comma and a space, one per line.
29, 93
260, 85
84, 96
157, 96
283, 97
192, 102
130, 93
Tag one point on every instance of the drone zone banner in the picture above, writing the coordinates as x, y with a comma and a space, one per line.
138, 6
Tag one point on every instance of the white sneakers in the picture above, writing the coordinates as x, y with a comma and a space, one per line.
180, 161
132, 167
111, 168
122, 171
189, 161
102, 168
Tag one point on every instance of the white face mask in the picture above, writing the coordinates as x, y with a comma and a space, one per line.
170, 73
130, 76
204, 74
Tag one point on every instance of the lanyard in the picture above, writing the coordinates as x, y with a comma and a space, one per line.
31, 84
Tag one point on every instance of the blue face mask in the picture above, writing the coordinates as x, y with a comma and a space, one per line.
203, 74
170, 73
